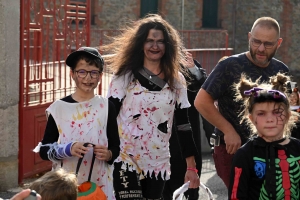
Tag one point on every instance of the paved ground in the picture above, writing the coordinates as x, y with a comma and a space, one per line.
11, 192
208, 177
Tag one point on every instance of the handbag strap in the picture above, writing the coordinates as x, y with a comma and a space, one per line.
80, 161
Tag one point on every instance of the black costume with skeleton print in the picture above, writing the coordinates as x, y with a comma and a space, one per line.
250, 169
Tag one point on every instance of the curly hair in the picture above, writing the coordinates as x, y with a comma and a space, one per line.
277, 82
127, 48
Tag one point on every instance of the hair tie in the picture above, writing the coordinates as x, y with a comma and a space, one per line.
253, 91
276, 94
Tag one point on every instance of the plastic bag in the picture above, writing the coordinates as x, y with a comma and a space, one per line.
179, 193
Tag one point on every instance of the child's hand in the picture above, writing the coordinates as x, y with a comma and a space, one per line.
77, 149
24, 194
102, 153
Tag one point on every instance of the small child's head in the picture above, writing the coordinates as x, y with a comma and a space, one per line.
88, 54
266, 106
293, 93
56, 185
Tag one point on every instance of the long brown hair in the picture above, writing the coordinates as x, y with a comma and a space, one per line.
127, 48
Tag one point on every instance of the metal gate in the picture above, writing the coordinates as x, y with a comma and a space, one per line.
50, 30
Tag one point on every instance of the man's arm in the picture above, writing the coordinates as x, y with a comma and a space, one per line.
204, 103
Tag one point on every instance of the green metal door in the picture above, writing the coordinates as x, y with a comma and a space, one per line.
210, 14
148, 6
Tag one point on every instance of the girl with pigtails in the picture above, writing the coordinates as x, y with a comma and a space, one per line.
267, 166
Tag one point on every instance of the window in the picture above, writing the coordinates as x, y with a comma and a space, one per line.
148, 6
210, 14
74, 13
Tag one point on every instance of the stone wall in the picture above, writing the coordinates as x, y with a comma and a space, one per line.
114, 14
174, 12
9, 92
236, 16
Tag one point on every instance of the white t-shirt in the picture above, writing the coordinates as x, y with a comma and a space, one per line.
144, 147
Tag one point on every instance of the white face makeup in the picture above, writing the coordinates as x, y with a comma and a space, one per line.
154, 46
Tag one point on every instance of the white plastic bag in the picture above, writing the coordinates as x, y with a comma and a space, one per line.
179, 193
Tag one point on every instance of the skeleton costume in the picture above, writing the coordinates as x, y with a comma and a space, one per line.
266, 170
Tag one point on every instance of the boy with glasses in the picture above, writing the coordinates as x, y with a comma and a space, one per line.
264, 40
80, 118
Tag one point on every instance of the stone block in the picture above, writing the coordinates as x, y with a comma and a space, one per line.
9, 129
8, 173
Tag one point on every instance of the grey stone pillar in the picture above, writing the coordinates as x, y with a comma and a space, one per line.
9, 92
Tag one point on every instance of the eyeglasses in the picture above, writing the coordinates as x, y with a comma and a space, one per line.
82, 73
158, 43
267, 45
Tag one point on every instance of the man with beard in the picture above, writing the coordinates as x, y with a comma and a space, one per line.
264, 40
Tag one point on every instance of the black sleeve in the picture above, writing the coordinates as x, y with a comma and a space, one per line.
239, 176
112, 132
117, 103
202, 71
194, 84
185, 137
50, 136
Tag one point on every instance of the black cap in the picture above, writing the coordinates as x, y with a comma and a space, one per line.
84, 50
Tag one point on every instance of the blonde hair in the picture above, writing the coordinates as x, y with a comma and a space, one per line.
56, 185
223, 58
277, 82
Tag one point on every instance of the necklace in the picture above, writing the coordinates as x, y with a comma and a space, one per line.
150, 76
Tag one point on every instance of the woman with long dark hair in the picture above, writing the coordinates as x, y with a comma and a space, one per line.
147, 88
